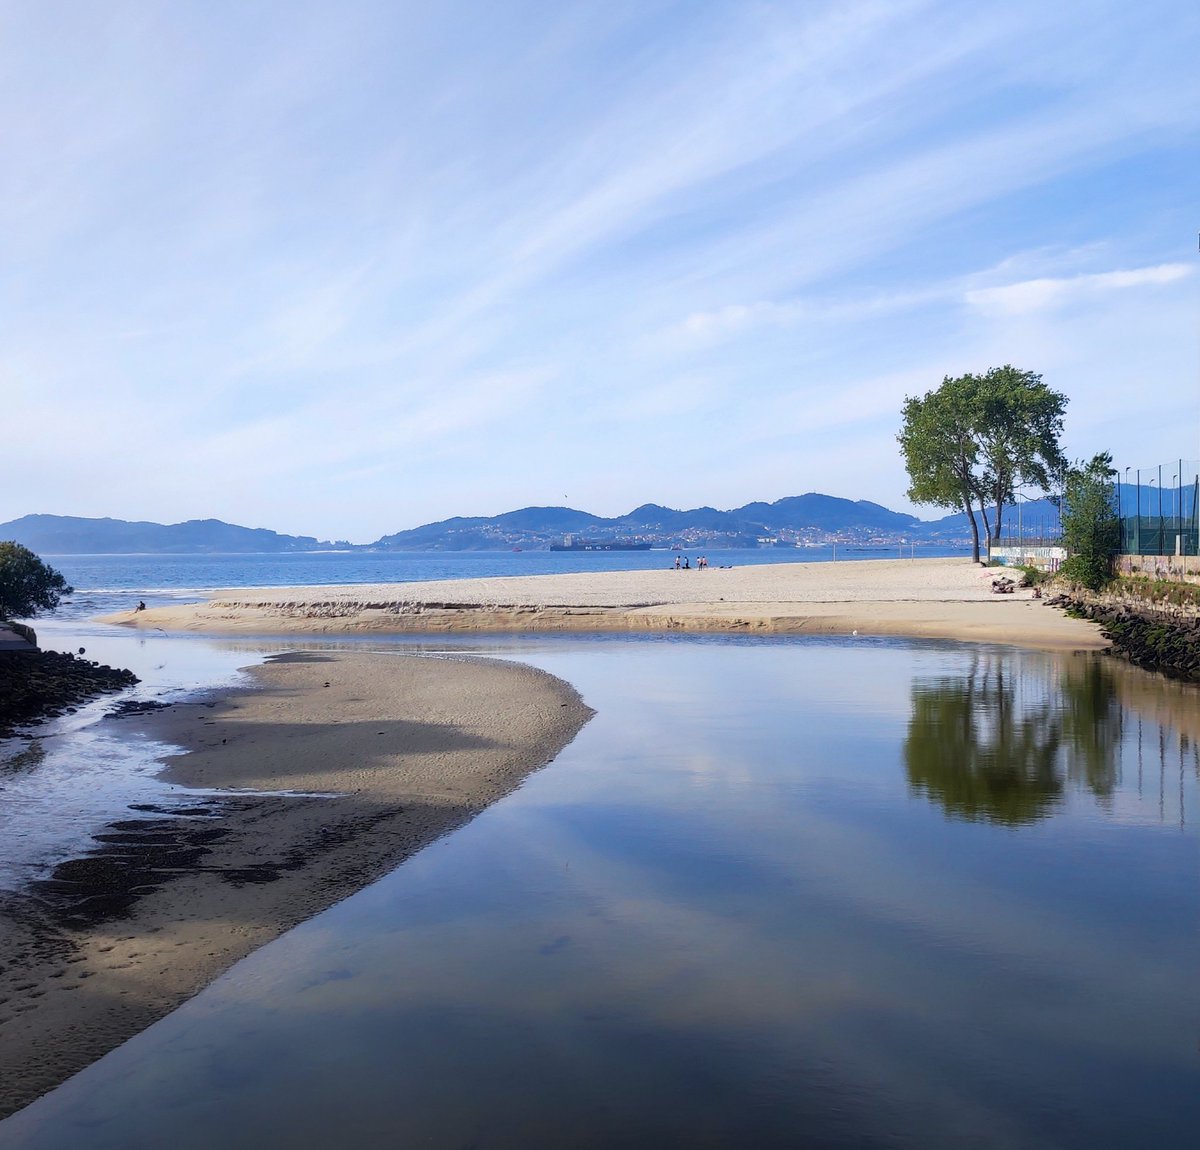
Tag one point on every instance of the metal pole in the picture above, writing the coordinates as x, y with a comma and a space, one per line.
1150, 503
1174, 506
1121, 510
1125, 533
1137, 523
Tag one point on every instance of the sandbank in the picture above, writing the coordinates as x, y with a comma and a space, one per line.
291, 796
921, 598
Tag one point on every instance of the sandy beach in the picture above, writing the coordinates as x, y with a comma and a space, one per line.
922, 598
321, 779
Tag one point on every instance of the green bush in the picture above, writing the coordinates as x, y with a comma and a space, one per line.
1091, 532
1032, 576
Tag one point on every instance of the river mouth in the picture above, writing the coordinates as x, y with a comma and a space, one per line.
880, 893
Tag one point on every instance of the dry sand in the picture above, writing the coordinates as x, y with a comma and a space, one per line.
924, 598
403, 749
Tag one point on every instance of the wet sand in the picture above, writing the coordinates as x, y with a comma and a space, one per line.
922, 598
388, 753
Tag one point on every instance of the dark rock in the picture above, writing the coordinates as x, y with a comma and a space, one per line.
42, 684
134, 707
1147, 638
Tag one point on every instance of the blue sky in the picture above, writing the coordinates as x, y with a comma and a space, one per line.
341, 269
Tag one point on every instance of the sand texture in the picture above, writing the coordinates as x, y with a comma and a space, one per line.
399, 749
922, 598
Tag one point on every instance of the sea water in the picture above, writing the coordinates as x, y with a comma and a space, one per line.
779, 892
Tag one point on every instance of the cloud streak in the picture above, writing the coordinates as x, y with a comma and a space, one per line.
1048, 293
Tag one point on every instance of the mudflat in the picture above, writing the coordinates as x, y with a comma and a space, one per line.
293, 795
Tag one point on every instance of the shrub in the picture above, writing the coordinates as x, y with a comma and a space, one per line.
27, 585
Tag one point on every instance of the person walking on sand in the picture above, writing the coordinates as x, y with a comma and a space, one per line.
676, 562
686, 565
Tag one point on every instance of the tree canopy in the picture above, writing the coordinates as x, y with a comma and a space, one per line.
1091, 529
978, 438
27, 585
940, 451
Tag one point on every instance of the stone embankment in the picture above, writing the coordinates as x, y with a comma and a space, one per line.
37, 685
1155, 635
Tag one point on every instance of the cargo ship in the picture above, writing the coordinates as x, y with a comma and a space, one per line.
570, 544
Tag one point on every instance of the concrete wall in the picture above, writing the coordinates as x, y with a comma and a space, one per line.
1184, 567
15, 639
1044, 558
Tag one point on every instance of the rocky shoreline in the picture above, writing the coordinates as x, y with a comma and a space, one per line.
1153, 640
40, 685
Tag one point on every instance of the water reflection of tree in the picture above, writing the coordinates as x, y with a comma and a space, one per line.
999, 743
1093, 723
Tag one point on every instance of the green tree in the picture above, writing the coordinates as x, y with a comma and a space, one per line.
1091, 530
27, 585
978, 438
940, 449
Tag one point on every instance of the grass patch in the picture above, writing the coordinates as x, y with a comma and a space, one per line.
1159, 590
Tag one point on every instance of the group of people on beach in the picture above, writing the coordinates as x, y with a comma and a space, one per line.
701, 563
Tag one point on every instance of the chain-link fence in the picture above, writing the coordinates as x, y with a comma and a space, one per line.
1158, 509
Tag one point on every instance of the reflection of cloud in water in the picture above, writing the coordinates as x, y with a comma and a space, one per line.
820, 984
830, 923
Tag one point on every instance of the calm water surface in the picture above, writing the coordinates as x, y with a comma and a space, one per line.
810, 893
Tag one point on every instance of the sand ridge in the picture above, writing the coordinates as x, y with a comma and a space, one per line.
359, 760
921, 598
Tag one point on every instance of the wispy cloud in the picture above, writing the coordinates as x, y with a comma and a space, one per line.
1044, 294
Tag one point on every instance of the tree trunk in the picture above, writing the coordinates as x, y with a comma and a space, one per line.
987, 530
998, 489
974, 528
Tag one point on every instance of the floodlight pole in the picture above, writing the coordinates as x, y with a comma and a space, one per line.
1150, 508
1176, 501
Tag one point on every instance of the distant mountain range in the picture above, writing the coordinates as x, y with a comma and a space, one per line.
741, 527
800, 519
70, 535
